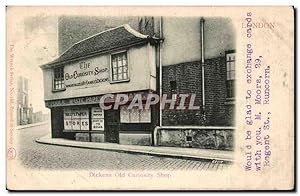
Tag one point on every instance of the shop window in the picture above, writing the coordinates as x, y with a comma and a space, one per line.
58, 80
76, 119
230, 74
119, 66
135, 115
97, 119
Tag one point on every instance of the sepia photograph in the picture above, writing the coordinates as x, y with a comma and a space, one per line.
167, 85
116, 95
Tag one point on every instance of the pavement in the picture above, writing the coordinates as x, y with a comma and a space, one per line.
175, 152
38, 156
31, 125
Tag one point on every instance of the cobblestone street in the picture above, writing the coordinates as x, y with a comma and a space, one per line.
40, 156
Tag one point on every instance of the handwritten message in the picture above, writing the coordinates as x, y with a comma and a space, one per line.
257, 116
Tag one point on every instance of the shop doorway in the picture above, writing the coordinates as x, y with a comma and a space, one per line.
112, 126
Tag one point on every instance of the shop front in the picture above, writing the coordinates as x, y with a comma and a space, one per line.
83, 119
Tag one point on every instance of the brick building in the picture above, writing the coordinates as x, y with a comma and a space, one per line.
161, 55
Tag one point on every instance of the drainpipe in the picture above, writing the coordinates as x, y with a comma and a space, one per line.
156, 131
160, 68
202, 66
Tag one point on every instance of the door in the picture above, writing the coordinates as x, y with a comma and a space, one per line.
112, 125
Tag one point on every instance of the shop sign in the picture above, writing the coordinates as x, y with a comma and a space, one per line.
86, 73
89, 100
98, 124
97, 119
97, 112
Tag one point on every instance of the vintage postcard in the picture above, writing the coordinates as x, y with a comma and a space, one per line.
150, 98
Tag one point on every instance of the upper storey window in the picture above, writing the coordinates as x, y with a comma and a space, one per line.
230, 76
58, 79
119, 66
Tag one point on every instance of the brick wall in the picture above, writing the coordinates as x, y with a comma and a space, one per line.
218, 139
188, 79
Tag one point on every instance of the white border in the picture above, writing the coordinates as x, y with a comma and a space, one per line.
4, 3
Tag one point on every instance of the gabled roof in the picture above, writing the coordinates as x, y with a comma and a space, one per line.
118, 37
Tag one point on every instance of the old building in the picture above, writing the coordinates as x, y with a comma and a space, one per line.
23, 108
118, 60
147, 55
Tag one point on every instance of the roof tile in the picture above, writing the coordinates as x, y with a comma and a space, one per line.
117, 37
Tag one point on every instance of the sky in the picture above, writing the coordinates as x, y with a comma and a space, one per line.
36, 45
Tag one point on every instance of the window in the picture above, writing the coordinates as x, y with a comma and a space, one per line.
97, 119
135, 115
76, 119
25, 87
119, 66
230, 74
59, 82
173, 86
24, 99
